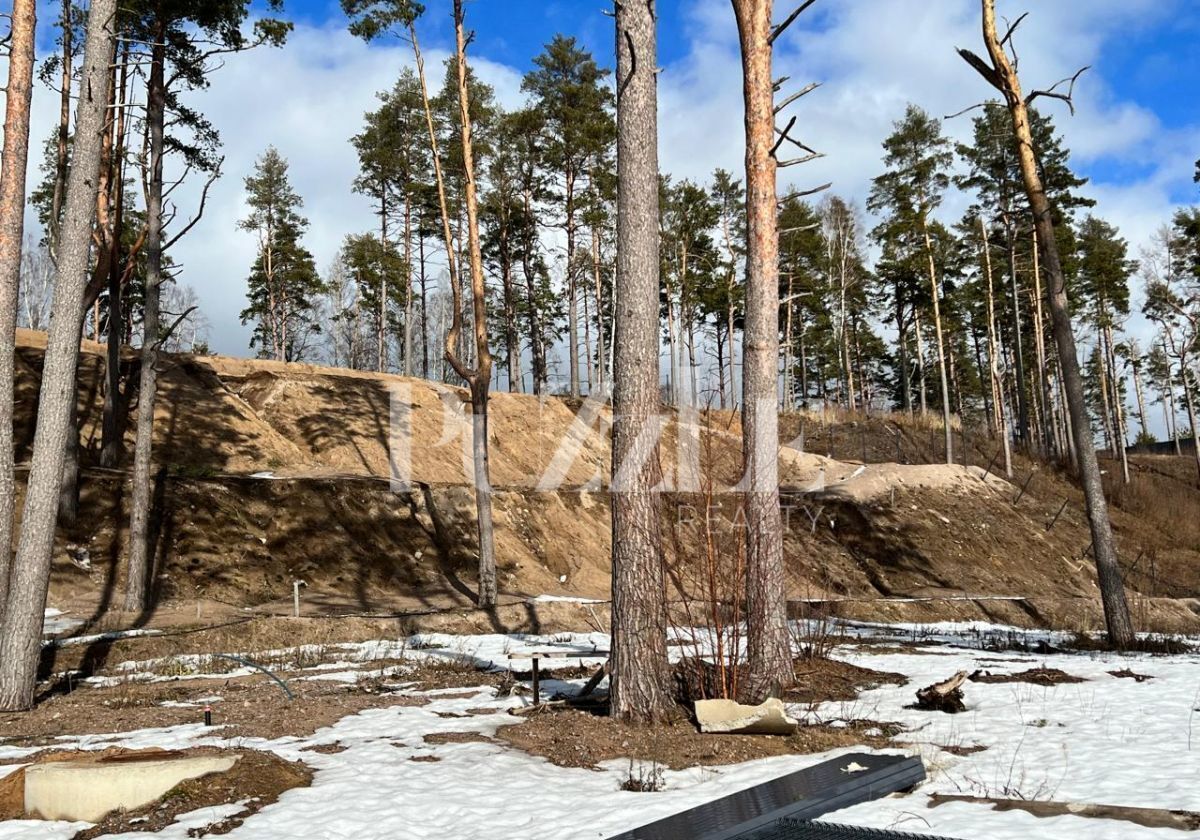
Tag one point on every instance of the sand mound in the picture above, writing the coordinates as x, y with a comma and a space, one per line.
869, 482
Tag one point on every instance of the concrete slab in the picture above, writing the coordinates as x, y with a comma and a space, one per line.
87, 790
726, 716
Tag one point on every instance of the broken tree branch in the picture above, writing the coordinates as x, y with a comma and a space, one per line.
1052, 91
213, 176
1012, 29
966, 110
983, 68
807, 89
805, 193
783, 135
779, 30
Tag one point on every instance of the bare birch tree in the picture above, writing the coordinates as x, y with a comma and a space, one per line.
1000, 72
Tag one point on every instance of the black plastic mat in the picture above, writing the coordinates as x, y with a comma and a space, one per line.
803, 795
805, 830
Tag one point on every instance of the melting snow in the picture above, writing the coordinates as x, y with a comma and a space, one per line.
1107, 740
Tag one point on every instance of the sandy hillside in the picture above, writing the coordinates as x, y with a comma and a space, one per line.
273, 472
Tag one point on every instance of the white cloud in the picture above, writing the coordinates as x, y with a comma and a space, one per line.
872, 56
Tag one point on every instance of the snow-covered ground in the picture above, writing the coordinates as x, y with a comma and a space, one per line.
56, 621
1108, 740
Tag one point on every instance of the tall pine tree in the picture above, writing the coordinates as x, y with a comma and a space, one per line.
283, 286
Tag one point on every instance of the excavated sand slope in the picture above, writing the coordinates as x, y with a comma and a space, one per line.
275, 471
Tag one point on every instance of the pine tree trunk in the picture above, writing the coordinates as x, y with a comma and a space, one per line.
1112, 587
381, 355
68, 491
719, 332
408, 296
731, 358
20, 641
997, 384
672, 365
1049, 404
512, 340
768, 643
1022, 400
572, 290
902, 340
639, 683
480, 376
113, 419
537, 345
137, 581
1118, 401
1189, 396
920, 344
787, 343
63, 137
1136, 363
935, 289
1172, 412
601, 350
587, 335
23, 26
424, 298
112, 427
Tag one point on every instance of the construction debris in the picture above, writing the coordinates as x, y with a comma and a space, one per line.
726, 716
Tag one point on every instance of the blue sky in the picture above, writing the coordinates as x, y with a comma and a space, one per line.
1155, 62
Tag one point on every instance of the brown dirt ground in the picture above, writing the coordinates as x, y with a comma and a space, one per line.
251, 706
1127, 674
826, 680
1036, 676
582, 738
573, 738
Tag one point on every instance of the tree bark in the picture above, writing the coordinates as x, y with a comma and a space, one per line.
601, 349
20, 642
572, 290
639, 690
12, 235
769, 657
997, 383
935, 290
480, 378
408, 293
137, 581
113, 420
1049, 404
1112, 587
1189, 396
1019, 348
1118, 404
381, 325
512, 339
62, 138
1135, 364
